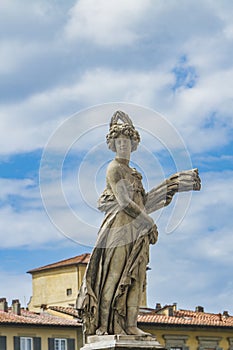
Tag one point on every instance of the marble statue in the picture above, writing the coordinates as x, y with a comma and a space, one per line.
109, 298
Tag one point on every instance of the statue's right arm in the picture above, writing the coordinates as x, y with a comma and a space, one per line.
116, 180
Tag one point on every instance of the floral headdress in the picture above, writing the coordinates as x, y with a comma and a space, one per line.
125, 128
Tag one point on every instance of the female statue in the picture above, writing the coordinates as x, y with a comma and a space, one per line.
109, 298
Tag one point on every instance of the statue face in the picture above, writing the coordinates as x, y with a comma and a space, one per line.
123, 146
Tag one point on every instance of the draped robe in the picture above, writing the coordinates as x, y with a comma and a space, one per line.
122, 233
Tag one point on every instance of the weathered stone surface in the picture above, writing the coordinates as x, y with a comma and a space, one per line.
110, 295
121, 342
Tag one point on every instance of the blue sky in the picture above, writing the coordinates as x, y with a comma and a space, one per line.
62, 57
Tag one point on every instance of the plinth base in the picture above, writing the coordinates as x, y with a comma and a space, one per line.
121, 342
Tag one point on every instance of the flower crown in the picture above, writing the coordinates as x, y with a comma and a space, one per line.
125, 128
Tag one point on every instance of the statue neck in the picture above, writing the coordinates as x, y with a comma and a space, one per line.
122, 160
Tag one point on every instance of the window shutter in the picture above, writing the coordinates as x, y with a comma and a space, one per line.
3, 343
36, 343
71, 344
51, 343
16, 343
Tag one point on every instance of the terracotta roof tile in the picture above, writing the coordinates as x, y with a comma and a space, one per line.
76, 260
181, 317
65, 310
186, 317
30, 318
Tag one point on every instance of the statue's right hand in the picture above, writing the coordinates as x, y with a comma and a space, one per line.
143, 221
153, 234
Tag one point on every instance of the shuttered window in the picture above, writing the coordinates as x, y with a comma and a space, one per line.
36, 343
70, 344
2, 342
61, 344
27, 343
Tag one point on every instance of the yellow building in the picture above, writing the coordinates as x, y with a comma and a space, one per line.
21, 329
52, 321
57, 284
182, 329
188, 330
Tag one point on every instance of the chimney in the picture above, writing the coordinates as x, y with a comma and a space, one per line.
43, 308
3, 305
225, 314
199, 309
158, 306
16, 307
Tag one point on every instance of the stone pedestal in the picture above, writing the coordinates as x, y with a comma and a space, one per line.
121, 342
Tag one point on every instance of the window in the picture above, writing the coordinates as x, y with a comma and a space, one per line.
26, 343
209, 343
3, 342
175, 342
60, 344
68, 291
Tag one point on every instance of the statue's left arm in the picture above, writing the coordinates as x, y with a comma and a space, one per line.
162, 195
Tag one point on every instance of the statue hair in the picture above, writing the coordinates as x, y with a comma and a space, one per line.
125, 128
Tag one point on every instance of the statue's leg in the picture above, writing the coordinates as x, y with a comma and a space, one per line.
114, 272
133, 303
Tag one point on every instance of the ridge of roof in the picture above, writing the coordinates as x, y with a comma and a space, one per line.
76, 260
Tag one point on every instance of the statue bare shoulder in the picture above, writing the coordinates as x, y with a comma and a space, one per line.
114, 172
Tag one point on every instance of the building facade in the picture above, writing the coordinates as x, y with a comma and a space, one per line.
57, 284
189, 330
21, 329
51, 322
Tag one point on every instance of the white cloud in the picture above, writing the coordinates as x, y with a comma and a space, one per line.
27, 125
188, 264
190, 109
208, 222
29, 35
14, 187
9, 51
106, 23
28, 228
24, 221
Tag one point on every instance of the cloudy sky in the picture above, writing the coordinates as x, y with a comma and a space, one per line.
65, 67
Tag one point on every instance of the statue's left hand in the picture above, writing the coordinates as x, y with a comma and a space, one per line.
183, 181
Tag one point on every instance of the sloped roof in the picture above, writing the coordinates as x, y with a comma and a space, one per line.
180, 317
76, 260
31, 318
65, 310
187, 317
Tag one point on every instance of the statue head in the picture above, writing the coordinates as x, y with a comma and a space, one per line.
123, 128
